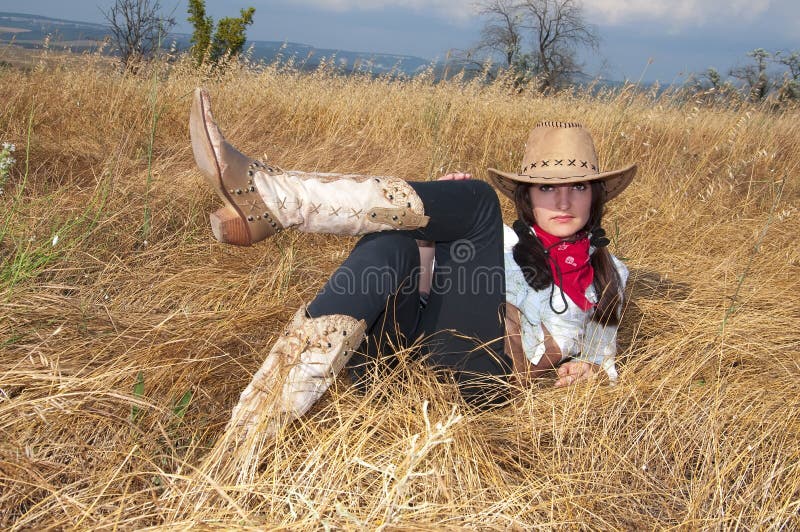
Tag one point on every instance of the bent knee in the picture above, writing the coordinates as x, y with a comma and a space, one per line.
489, 214
483, 190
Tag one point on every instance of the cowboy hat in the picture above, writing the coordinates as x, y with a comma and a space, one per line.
560, 153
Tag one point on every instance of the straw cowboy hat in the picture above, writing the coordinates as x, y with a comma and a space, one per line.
560, 153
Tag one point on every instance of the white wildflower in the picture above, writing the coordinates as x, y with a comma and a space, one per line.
6, 161
55, 240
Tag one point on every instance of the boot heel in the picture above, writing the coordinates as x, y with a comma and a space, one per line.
229, 228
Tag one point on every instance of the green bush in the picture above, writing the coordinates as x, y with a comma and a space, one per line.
228, 39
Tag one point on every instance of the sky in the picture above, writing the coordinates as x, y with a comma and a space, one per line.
651, 40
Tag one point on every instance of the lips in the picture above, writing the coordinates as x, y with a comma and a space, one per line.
563, 218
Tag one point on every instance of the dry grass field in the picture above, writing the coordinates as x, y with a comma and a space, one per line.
127, 332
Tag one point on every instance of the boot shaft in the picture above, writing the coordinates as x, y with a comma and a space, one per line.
342, 204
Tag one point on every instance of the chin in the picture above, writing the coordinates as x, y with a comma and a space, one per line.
562, 230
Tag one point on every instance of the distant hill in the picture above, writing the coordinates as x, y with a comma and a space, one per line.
31, 31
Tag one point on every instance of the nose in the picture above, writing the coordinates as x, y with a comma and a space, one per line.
563, 200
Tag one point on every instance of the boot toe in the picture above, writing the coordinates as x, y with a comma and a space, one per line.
245, 218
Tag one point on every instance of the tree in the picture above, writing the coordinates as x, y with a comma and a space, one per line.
790, 60
558, 31
540, 38
714, 79
502, 31
137, 28
203, 27
759, 81
228, 39
790, 86
710, 88
755, 76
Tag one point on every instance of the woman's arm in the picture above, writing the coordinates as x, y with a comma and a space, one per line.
427, 251
524, 370
513, 345
600, 341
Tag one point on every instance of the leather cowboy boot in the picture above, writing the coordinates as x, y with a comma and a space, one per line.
261, 200
300, 367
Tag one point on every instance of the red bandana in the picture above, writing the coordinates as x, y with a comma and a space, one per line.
572, 258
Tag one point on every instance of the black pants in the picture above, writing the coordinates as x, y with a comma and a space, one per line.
462, 322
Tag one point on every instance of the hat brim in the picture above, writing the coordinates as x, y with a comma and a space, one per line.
616, 180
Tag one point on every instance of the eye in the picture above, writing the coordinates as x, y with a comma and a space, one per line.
546, 188
579, 186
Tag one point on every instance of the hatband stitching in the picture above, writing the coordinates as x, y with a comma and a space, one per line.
558, 162
557, 124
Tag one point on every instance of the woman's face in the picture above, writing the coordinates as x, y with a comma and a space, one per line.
561, 210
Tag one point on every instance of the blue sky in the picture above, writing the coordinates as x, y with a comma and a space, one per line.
680, 36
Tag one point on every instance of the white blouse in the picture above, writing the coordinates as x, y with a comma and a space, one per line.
575, 333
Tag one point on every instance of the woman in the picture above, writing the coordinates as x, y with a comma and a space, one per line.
373, 298
564, 289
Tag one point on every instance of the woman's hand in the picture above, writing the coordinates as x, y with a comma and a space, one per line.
575, 371
455, 176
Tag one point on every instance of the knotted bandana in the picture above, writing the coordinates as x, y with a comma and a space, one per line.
570, 265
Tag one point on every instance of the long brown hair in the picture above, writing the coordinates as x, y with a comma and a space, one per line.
529, 253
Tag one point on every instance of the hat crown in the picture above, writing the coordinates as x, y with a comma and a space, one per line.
559, 149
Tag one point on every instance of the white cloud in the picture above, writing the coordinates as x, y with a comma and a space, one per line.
672, 15
682, 12
460, 10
